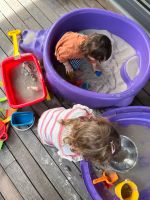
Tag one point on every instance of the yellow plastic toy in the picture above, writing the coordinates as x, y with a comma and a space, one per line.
127, 190
14, 34
109, 178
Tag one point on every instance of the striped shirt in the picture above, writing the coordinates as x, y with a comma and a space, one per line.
52, 132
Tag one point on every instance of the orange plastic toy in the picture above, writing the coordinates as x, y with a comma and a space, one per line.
109, 178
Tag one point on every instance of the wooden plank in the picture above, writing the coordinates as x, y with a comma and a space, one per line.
71, 171
147, 87
2, 55
108, 5
6, 158
55, 6
30, 166
47, 164
46, 9
1, 197
67, 4
18, 9
79, 3
25, 16
144, 98
11, 15
17, 145
93, 4
136, 102
5, 24
5, 43
31, 24
17, 176
21, 182
70, 5
68, 168
86, 3
36, 13
7, 188
53, 103
3, 105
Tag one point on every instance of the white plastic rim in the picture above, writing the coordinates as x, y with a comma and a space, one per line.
24, 129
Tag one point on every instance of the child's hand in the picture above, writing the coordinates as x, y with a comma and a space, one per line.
68, 68
96, 66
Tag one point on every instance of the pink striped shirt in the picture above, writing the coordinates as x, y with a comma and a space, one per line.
52, 132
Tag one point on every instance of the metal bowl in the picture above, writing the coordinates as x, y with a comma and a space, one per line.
126, 158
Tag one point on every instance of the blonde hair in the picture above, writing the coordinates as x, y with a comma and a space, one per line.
93, 138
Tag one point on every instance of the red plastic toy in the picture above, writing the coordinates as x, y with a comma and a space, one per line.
18, 98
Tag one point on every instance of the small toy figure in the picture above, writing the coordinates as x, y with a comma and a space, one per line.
33, 77
28, 70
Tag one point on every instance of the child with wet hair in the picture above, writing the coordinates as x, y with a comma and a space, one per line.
73, 46
78, 134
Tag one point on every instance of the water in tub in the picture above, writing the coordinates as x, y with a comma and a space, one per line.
111, 80
25, 83
140, 174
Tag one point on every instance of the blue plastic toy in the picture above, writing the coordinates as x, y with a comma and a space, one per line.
98, 73
22, 119
85, 85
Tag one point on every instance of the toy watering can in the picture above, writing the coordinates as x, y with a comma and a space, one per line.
127, 190
109, 178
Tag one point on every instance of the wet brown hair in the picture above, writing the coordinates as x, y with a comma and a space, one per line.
93, 138
97, 46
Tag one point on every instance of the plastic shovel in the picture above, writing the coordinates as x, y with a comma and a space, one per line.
110, 178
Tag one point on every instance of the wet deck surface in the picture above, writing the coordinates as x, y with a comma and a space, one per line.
29, 170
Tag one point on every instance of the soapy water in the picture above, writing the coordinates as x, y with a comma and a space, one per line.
25, 82
140, 173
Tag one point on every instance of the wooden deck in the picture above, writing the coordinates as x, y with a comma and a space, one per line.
29, 170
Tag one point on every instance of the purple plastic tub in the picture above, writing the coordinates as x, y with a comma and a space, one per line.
125, 117
91, 18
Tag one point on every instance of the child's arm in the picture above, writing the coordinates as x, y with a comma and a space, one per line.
68, 67
88, 110
66, 153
